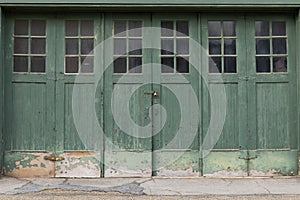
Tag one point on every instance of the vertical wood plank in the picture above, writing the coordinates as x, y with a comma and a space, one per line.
2, 93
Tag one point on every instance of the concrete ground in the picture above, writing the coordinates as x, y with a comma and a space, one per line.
150, 188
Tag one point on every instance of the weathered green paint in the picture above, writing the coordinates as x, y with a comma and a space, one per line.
226, 163
261, 111
2, 94
298, 82
274, 163
27, 165
79, 164
170, 163
128, 164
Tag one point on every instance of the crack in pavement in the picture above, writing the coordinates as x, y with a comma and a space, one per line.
269, 192
129, 188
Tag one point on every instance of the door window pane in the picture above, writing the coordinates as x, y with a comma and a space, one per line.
167, 46
38, 46
182, 28
279, 64
215, 47
135, 28
87, 64
119, 46
167, 65
21, 46
229, 47
120, 28
215, 65
72, 27
262, 46
120, 65
38, 28
230, 64
262, 28
87, 28
21, 27
135, 65
20, 64
38, 64
182, 46
279, 46
229, 28
182, 65
87, 46
263, 64
135, 47
167, 28
72, 46
278, 29
72, 65
214, 29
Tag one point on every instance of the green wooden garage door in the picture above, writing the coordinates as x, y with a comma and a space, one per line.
255, 56
154, 102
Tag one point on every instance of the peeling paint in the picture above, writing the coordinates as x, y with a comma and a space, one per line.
125, 172
128, 164
28, 165
228, 173
78, 164
299, 165
177, 173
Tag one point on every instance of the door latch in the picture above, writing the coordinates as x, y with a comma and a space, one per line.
54, 158
154, 94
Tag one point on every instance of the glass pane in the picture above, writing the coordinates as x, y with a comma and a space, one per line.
119, 46
38, 28
229, 28
278, 29
120, 65
182, 46
214, 29
167, 65
167, 28
21, 27
87, 28
167, 46
262, 28
71, 46
279, 64
215, 47
20, 64
87, 46
182, 28
262, 64
229, 47
87, 64
182, 64
135, 47
72, 64
229, 65
279, 46
38, 46
215, 65
72, 28
135, 28
262, 46
38, 64
120, 28
135, 65
21, 45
